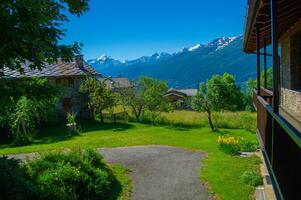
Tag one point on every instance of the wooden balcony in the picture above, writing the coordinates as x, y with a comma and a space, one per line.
281, 148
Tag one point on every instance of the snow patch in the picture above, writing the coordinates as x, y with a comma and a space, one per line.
194, 48
224, 41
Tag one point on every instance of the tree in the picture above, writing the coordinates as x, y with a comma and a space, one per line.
153, 91
26, 104
217, 94
131, 97
31, 31
100, 97
202, 102
252, 84
148, 93
23, 123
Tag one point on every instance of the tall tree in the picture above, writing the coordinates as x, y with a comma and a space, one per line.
31, 31
217, 94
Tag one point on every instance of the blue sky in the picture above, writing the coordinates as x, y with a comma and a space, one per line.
128, 29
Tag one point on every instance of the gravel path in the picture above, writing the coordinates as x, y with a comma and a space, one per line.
160, 172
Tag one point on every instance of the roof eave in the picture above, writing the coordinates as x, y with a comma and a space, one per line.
252, 11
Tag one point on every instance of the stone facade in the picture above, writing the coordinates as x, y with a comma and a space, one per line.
291, 102
291, 71
71, 100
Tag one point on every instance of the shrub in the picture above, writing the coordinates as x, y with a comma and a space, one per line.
73, 128
73, 175
229, 145
13, 183
23, 121
252, 178
248, 145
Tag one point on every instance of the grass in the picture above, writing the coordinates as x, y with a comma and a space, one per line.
232, 120
122, 188
221, 171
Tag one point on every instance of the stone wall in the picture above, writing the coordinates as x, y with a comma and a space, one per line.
291, 71
291, 102
71, 90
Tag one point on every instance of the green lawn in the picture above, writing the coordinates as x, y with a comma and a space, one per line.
122, 187
221, 171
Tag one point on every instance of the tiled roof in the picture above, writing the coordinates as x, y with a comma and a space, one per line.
186, 92
119, 82
52, 70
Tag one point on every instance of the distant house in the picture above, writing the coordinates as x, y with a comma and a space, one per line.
66, 74
117, 84
181, 98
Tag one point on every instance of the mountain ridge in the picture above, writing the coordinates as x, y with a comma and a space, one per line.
187, 67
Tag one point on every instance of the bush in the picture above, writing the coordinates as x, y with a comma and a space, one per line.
252, 178
13, 183
23, 122
73, 128
74, 175
229, 145
248, 145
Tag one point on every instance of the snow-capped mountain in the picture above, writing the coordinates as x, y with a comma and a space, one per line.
187, 67
222, 42
104, 61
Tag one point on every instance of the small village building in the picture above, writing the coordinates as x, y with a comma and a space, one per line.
116, 84
278, 22
180, 98
67, 74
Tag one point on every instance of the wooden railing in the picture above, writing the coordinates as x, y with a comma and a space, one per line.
281, 147
266, 94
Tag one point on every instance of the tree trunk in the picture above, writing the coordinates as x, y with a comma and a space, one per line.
101, 118
114, 118
210, 121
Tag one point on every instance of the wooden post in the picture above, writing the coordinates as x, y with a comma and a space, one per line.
276, 84
258, 58
265, 63
276, 70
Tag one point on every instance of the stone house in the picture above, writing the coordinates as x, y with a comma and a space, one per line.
69, 75
278, 22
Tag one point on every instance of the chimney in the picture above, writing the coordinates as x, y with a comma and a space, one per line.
79, 59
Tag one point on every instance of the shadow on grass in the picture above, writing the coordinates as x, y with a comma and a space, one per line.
115, 191
90, 126
60, 132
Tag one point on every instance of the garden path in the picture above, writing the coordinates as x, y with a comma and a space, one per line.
161, 172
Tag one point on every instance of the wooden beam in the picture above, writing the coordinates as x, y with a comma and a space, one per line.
276, 71
258, 58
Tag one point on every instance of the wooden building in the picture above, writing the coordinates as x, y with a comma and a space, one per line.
180, 98
69, 75
278, 22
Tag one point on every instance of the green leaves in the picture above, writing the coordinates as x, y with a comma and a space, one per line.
100, 97
31, 32
26, 104
152, 93
219, 93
